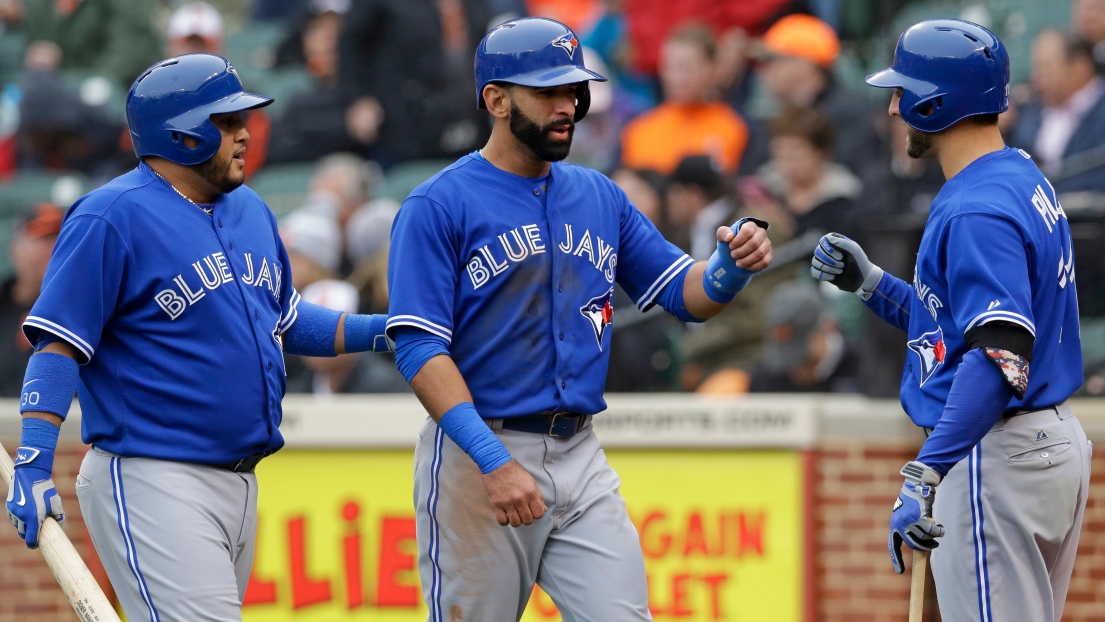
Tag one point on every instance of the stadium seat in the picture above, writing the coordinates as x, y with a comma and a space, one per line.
402, 178
283, 186
30, 187
253, 47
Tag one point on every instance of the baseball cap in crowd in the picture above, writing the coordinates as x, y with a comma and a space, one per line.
369, 228
315, 236
332, 294
45, 221
792, 313
197, 19
803, 36
701, 171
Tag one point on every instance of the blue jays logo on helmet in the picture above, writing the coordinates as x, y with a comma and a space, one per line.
599, 311
930, 349
567, 42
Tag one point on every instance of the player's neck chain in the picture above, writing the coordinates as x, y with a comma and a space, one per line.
207, 209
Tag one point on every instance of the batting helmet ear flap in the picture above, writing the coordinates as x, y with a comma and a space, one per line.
583, 101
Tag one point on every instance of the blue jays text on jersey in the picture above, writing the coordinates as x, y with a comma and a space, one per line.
518, 275
996, 247
159, 298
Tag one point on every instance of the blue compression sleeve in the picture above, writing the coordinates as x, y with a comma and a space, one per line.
41, 435
313, 332
891, 301
463, 424
978, 396
671, 298
366, 332
413, 347
49, 384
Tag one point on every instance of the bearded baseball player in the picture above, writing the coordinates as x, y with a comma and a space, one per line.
1001, 481
163, 308
502, 274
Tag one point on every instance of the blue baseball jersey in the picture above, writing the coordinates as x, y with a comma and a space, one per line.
996, 247
176, 316
518, 275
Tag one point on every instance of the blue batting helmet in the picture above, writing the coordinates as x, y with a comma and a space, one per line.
533, 51
176, 97
948, 69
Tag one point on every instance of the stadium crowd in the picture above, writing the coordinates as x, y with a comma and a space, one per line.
716, 109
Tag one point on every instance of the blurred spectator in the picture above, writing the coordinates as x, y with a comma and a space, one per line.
31, 247
1064, 129
274, 10
697, 202
407, 70
114, 38
690, 120
799, 52
194, 28
367, 236
313, 241
804, 350
313, 123
595, 142
633, 91
651, 22
816, 194
1088, 22
642, 349
579, 15
346, 373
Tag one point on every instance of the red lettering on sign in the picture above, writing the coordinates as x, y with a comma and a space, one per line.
752, 533
652, 523
305, 590
695, 541
351, 552
714, 582
394, 533
679, 608
258, 591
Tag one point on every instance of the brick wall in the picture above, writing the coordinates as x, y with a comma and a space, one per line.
855, 487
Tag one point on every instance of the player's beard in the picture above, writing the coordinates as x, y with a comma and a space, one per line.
917, 143
216, 171
536, 137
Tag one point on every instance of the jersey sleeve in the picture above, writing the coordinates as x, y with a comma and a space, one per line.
81, 287
423, 268
986, 267
646, 261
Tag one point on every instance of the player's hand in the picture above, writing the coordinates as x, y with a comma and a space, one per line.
514, 494
912, 520
748, 245
32, 495
843, 263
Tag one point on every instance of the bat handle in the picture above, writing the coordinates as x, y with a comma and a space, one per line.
917, 585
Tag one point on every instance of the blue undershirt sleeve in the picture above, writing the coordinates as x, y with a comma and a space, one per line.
414, 347
891, 301
671, 298
313, 332
978, 396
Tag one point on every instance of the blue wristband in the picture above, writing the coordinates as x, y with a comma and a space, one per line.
37, 444
314, 330
366, 332
49, 384
463, 424
722, 278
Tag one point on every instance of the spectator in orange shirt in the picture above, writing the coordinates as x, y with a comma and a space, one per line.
690, 120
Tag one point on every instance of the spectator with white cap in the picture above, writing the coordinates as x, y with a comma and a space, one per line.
313, 241
195, 27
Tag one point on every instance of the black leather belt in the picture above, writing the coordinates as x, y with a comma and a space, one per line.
245, 465
562, 424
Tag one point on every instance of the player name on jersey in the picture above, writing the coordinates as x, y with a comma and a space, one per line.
213, 272
523, 242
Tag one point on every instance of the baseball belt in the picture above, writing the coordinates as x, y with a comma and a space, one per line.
559, 424
245, 465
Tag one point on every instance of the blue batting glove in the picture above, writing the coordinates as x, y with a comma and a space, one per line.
911, 521
32, 495
723, 278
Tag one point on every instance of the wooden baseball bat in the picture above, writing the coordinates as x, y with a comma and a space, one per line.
76, 581
917, 586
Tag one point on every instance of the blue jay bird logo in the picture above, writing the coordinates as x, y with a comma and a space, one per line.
599, 311
568, 43
930, 348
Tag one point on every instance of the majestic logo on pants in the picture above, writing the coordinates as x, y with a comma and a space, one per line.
930, 349
599, 311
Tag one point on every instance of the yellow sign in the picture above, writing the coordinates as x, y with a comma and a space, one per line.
721, 532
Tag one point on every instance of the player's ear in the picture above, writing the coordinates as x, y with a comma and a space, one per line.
497, 99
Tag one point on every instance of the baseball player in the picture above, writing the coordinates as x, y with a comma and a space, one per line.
994, 349
164, 307
502, 273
